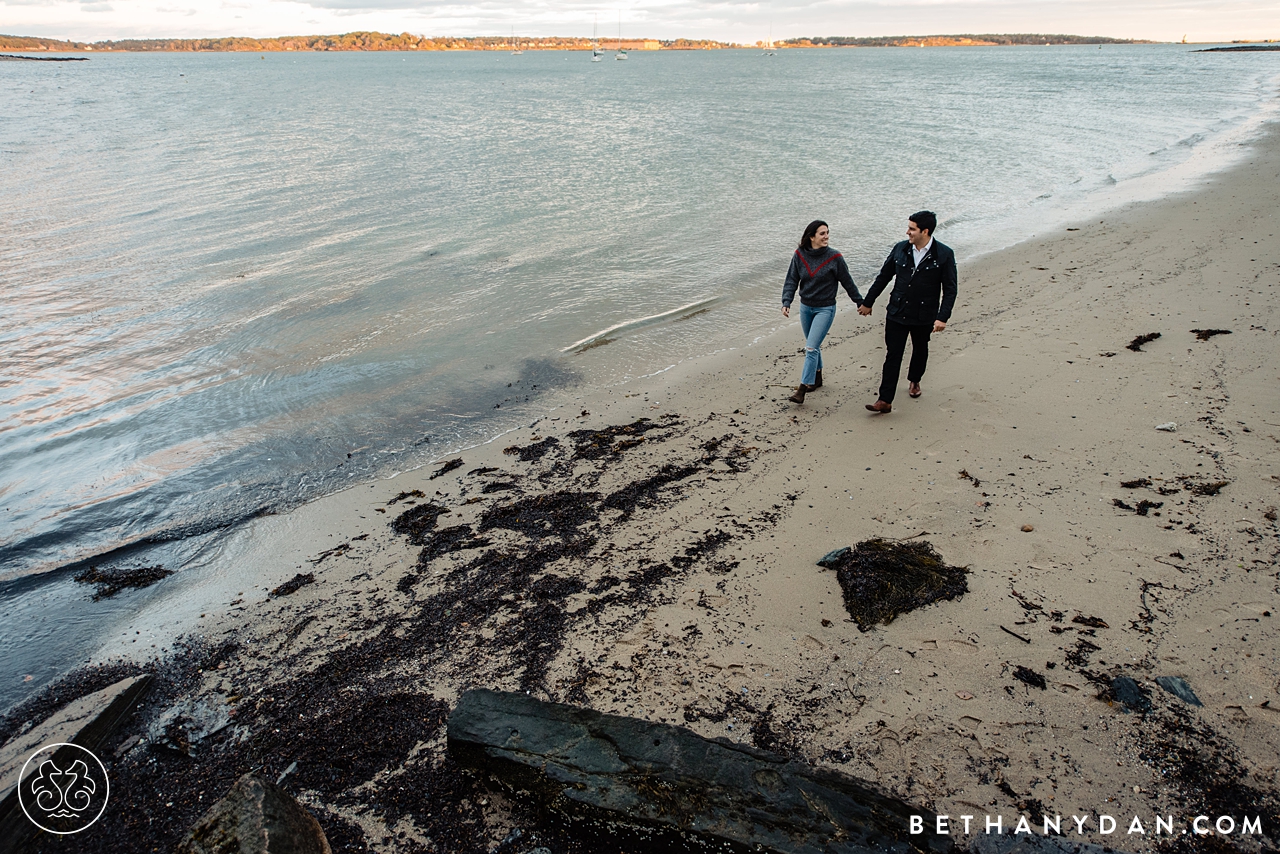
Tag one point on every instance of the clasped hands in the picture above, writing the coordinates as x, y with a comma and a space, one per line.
865, 311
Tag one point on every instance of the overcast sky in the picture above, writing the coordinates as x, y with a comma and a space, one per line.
723, 20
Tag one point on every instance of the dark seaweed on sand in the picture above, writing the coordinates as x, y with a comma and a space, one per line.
594, 444
446, 468
364, 713
1030, 677
562, 513
1206, 334
883, 579
112, 581
529, 453
293, 585
1078, 656
1136, 483
643, 493
1209, 772
416, 522
1136, 344
1144, 506
1207, 488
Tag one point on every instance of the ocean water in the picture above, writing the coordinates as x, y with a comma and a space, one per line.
230, 283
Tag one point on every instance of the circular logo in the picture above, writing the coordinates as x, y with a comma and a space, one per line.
63, 788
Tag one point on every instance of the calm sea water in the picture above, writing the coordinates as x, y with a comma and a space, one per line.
231, 282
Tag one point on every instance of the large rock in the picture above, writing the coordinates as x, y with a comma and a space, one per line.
615, 776
86, 722
256, 817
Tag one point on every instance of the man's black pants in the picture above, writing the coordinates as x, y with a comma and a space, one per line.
895, 342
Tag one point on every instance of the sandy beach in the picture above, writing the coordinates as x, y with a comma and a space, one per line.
651, 552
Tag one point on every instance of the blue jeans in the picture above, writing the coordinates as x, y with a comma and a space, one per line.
815, 323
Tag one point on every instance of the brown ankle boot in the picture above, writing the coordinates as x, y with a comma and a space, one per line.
817, 383
798, 397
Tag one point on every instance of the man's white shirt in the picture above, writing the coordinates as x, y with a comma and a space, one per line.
920, 253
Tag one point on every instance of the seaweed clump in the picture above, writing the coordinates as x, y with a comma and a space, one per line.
415, 522
1136, 344
1144, 506
1206, 334
446, 468
293, 585
112, 581
530, 453
1030, 677
594, 444
560, 513
882, 580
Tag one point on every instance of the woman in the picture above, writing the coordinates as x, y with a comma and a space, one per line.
815, 269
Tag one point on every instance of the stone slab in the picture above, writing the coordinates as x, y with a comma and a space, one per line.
256, 817
86, 722
617, 776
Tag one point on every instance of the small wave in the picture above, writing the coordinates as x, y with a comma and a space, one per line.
604, 336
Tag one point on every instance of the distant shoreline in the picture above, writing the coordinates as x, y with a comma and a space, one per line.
10, 57
1240, 48
373, 41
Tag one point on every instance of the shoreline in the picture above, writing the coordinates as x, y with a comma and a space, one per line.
665, 568
1218, 152
157, 618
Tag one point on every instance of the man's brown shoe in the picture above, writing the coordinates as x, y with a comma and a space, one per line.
817, 383
798, 397
880, 406
913, 389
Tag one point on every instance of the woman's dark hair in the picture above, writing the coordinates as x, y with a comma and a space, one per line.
809, 231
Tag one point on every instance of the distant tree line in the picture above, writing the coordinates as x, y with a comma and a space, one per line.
968, 39
368, 41
360, 41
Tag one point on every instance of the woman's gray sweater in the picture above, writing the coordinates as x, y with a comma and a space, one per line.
817, 272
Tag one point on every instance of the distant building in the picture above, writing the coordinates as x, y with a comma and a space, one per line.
636, 44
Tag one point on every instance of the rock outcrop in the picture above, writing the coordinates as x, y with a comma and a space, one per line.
256, 817
622, 778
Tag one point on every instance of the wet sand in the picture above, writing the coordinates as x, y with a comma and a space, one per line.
665, 568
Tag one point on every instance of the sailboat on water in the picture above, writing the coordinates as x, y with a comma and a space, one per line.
596, 53
515, 45
621, 54
768, 46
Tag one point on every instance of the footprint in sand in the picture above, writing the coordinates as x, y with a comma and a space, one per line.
959, 646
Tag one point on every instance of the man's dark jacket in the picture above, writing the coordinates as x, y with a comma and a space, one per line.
914, 300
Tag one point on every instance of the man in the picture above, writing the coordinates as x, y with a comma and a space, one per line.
926, 271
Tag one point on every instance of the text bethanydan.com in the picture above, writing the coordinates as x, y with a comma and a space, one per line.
1160, 825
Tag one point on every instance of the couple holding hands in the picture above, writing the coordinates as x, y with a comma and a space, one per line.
926, 273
